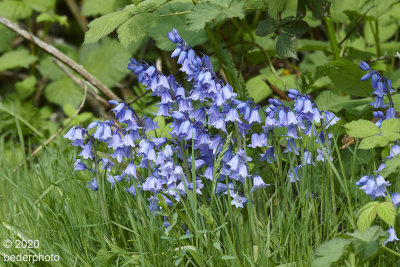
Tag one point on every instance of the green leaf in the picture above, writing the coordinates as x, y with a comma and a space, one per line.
102, 7
113, 64
328, 100
219, 10
14, 59
265, 27
391, 165
26, 87
104, 25
41, 5
149, 5
387, 213
372, 233
296, 26
361, 128
136, 28
330, 252
52, 18
367, 215
366, 249
258, 89
228, 257
15, 10
319, 8
6, 38
390, 126
159, 32
373, 141
286, 45
63, 91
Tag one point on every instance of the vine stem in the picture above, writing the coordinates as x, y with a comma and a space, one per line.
390, 251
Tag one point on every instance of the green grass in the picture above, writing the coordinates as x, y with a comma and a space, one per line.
282, 224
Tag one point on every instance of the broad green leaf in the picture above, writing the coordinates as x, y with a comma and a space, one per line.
265, 27
373, 141
257, 88
311, 45
219, 10
387, 213
367, 215
256, 4
391, 166
69, 110
328, 100
286, 45
149, 5
102, 7
297, 27
319, 8
49, 69
167, 22
52, 18
103, 258
372, 233
81, 118
26, 87
14, 59
396, 100
361, 128
63, 91
136, 28
366, 249
104, 25
15, 9
330, 252
113, 64
6, 38
41, 5
390, 126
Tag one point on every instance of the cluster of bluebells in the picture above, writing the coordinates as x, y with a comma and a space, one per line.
375, 185
201, 113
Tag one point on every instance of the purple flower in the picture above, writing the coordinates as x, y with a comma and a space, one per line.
396, 199
258, 182
93, 184
87, 151
238, 201
392, 236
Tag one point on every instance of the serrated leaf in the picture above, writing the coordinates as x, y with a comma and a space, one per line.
387, 213
286, 46
390, 126
297, 27
366, 249
265, 27
159, 32
26, 87
391, 166
328, 100
113, 64
319, 8
104, 25
14, 59
367, 215
373, 141
102, 7
149, 5
136, 28
220, 10
63, 91
361, 128
15, 10
330, 252
372, 233
41, 5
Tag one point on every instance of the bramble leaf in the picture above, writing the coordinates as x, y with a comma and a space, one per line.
104, 25
361, 129
18, 58
367, 215
330, 252
265, 27
286, 45
219, 10
387, 213
15, 9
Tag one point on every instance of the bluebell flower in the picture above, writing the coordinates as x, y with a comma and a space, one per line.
131, 190
131, 169
114, 179
392, 236
87, 151
395, 199
93, 184
238, 201
152, 184
258, 182
79, 166
364, 66
293, 176
394, 150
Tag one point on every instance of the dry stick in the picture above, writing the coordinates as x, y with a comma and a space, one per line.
138, 97
60, 56
73, 7
277, 91
80, 82
37, 150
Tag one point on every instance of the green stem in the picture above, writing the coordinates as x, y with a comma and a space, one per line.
185, 162
332, 38
390, 251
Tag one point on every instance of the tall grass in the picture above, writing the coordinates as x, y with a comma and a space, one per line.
281, 225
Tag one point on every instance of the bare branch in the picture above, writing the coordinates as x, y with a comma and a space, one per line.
60, 56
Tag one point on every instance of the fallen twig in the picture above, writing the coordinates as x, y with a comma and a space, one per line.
60, 56
277, 91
